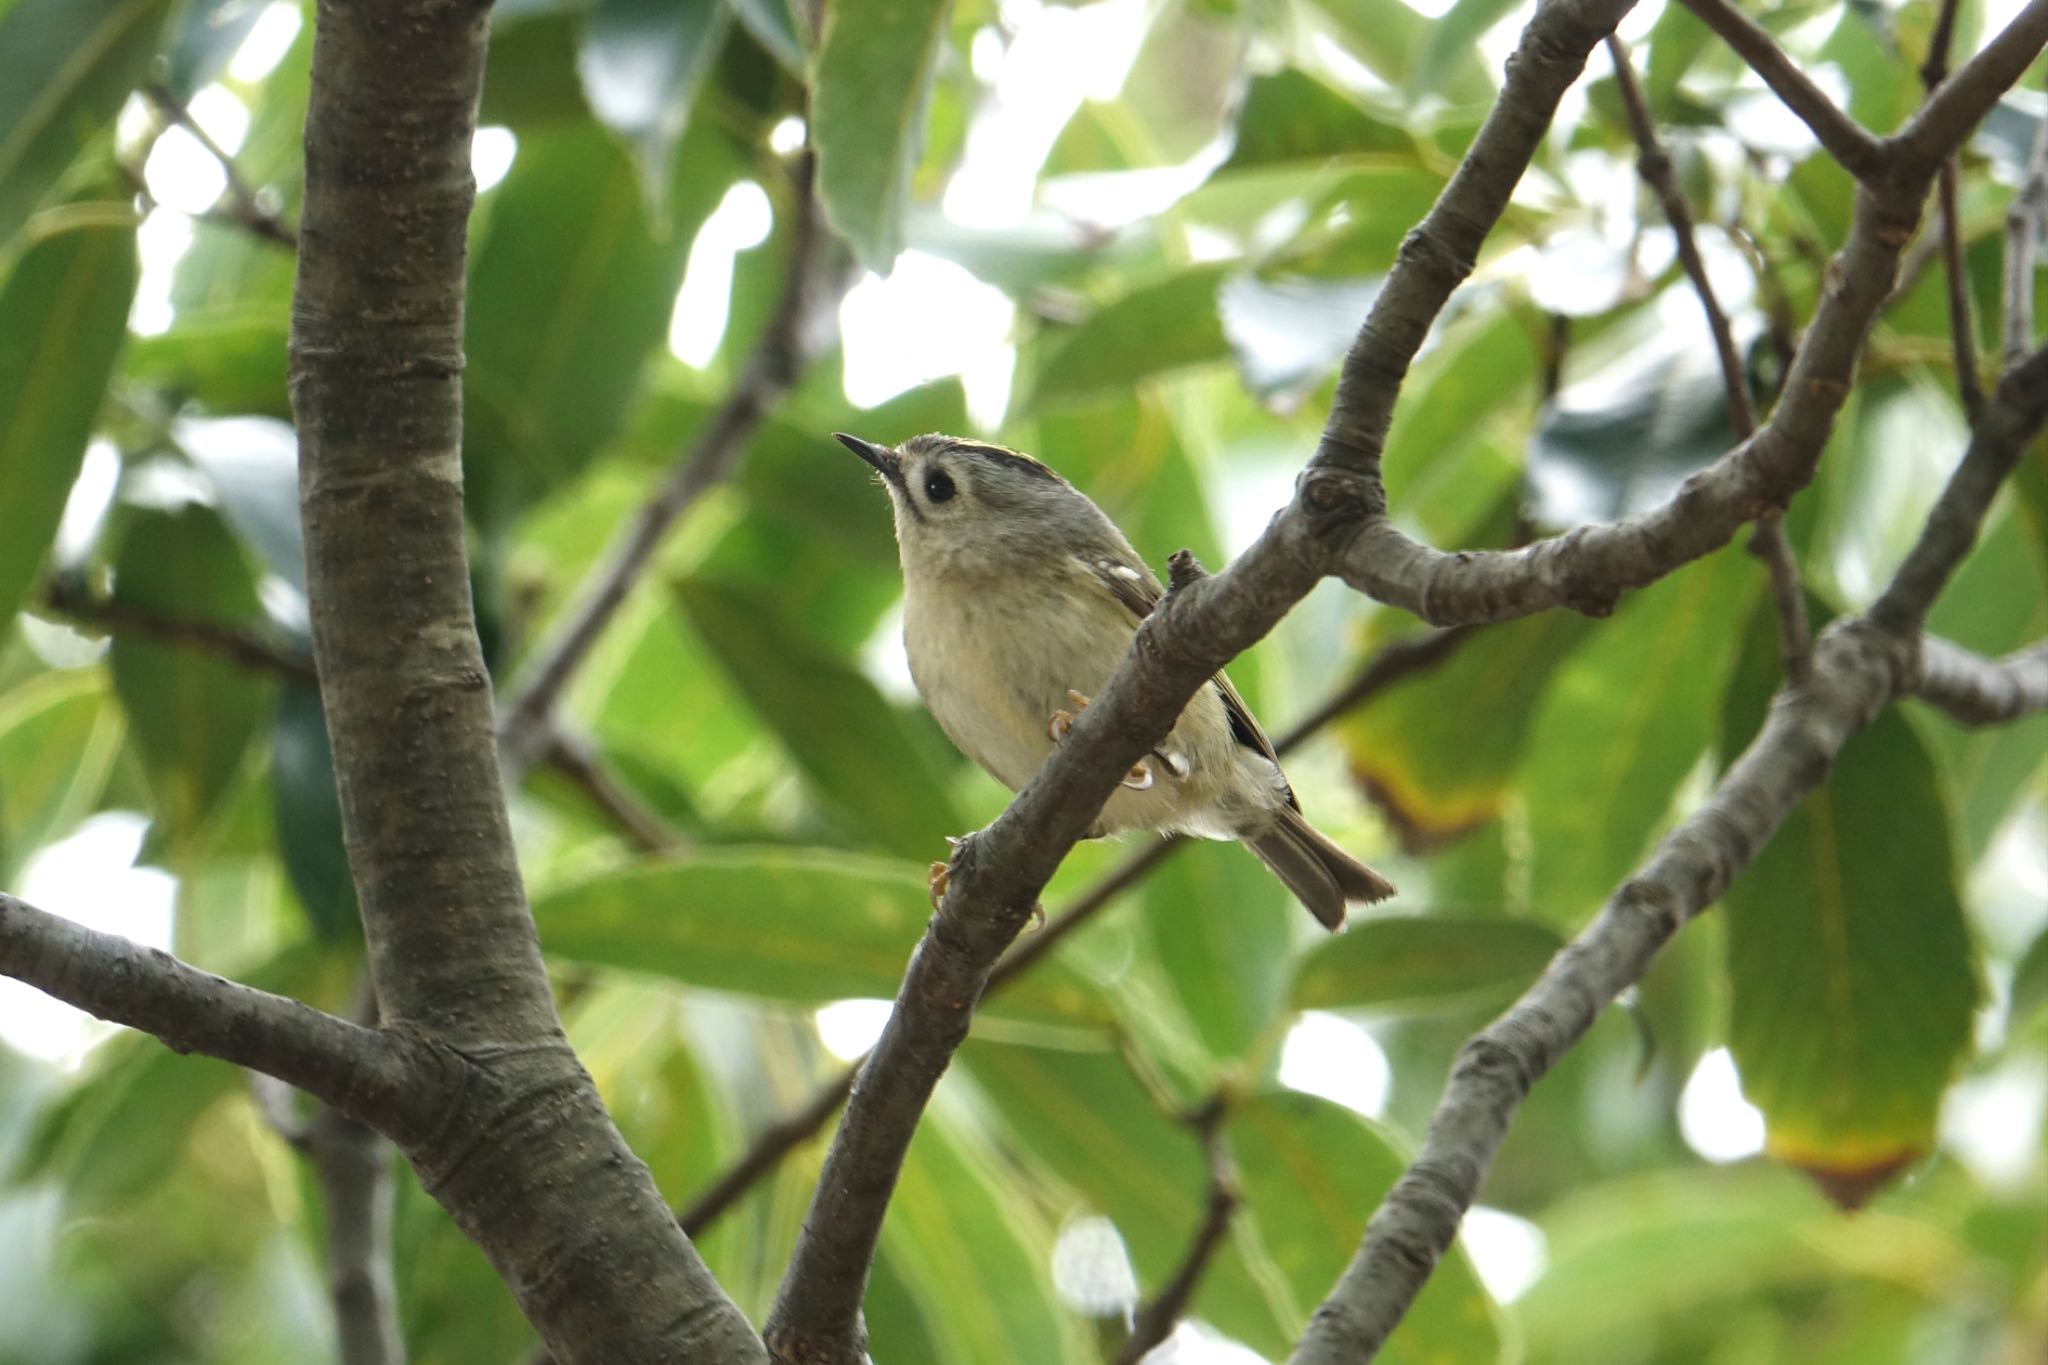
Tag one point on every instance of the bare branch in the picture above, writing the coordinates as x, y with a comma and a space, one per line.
2004, 427
1953, 111
358, 1070
1156, 1320
1974, 690
1195, 630
1845, 139
577, 759
353, 1165
1962, 330
2023, 225
244, 648
777, 359
248, 210
1767, 542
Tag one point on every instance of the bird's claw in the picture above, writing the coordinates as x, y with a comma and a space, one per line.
937, 880
1062, 720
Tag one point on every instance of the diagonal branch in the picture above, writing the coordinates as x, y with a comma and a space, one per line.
357, 1070
1962, 330
248, 211
1953, 111
1845, 139
1156, 1320
244, 648
1197, 628
1768, 542
1977, 691
772, 367
1860, 664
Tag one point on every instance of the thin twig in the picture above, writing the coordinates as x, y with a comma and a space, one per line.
578, 760
248, 209
1156, 1320
244, 648
1390, 664
1767, 542
1845, 139
1962, 331
2023, 226
1977, 691
771, 369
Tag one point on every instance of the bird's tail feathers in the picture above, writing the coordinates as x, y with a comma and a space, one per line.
1322, 876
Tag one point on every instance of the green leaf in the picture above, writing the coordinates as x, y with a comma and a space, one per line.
1606, 753
1453, 39
307, 809
884, 777
1415, 963
203, 37
1150, 330
65, 67
191, 713
59, 737
570, 295
226, 361
773, 24
1289, 334
1220, 924
1313, 1172
530, 79
1439, 753
641, 63
869, 87
968, 1249
1289, 115
1629, 447
1438, 468
802, 925
1851, 972
63, 314
1094, 1130
1389, 36
2029, 986
1676, 41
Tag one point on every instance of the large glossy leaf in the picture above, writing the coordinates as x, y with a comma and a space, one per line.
65, 67
63, 313
59, 736
880, 768
1220, 924
807, 926
1151, 330
1290, 116
970, 1250
1439, 752
1851, 971
1606, 752
1313, 1172
872, 78
1414, 963
1086, 1123
1453, 39
229, 360
570, 295
191, 712
641, 63
1437, 465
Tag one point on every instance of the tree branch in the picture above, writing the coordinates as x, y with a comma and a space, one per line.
1962, 331
1197, 628
1767, 542
1845, 139
249, 211
577, 759
772, 367
1977, 691
520, 1149
358, 1070
1159, 1316
2023, 226
1860, 664
1953, 111
66, 598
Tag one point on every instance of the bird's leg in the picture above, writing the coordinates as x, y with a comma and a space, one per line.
941, 875
1138, 779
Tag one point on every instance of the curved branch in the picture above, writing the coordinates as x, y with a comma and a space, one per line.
1954, 109
1845, 139
1974, 690
357, 1070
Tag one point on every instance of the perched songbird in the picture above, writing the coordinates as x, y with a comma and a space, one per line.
1019, 599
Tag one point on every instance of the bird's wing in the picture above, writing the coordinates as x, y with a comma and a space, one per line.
1134, 586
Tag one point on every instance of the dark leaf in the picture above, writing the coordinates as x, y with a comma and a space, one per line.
1415, 963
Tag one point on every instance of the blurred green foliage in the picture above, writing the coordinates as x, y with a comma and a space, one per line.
1884, 957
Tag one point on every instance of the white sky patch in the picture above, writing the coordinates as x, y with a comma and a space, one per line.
786, 136
1507, 1251
1331, 1056
1091, 1270
1197, 1343
848, 1028
1993, 1123
882, 657
491, 153
928, 318
160, 243
741, 222
1716, 1120
85, 509
269, 39
181, 174
224, 118
88, 877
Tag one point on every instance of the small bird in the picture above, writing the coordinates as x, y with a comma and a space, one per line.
1019, 600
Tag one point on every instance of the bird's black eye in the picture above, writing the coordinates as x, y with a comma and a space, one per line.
938, 485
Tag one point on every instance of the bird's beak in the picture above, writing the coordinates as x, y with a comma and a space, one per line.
885, 460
